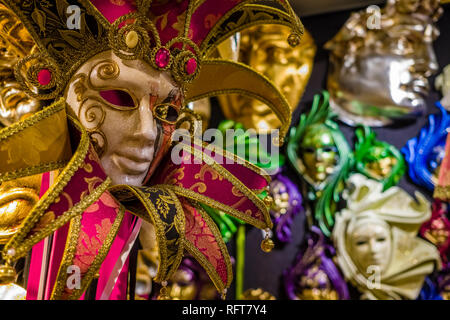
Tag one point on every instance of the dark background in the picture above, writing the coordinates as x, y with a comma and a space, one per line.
264, 270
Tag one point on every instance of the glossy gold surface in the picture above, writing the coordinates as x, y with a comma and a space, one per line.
379, 64
15, 43
17, 197
265, 49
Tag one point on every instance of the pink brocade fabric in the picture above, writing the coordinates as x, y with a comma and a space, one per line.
169, 16
199, 234
205, 180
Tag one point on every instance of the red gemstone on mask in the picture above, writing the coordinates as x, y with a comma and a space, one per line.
191, 66
162, 58
44, 77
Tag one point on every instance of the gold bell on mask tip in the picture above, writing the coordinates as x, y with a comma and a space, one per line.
224, 294
163, 292
294, 39
268, 201
7, 274
267, 244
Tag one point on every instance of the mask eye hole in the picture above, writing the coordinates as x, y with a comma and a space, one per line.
308, 150
118, 98
166, 112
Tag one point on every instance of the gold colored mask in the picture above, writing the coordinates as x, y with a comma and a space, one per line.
318, 153
379, 75
17, 197
265, 49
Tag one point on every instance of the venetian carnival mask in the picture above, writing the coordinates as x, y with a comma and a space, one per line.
15, 43
125, 73
318, 152
377, 159
370, 244
321, 156
264, 48
376, 240
379, 74
314, 276
317, 147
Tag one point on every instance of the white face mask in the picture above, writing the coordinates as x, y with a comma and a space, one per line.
371, 245
115, 101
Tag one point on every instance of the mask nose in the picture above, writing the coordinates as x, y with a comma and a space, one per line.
319, 155
146, 126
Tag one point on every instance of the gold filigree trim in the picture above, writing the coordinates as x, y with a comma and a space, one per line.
19, 128
229, 155
69, 253
75, 211
180, 224
30, 171
32, 120
283, 18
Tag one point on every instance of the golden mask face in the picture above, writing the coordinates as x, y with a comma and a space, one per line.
15, 43
318, 153
182, 287
185, 285
265, 49
17, 197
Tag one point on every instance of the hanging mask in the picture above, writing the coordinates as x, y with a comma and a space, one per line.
376, 240
314, 276
264, 48
378, 74
321, 156
377, 159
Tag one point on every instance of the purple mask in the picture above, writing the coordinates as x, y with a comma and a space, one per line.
314, 276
